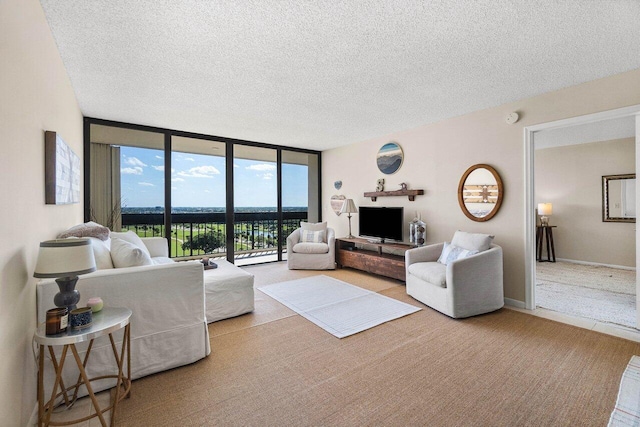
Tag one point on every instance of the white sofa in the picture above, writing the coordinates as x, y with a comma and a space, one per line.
462, 288
168, 324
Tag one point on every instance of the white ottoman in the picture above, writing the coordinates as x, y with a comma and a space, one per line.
228, 291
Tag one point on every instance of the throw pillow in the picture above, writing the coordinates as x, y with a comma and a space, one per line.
307, 236
318, 226
101, 254
472, 241
88, 229
451, 252
126, 254
310, 226
133, 238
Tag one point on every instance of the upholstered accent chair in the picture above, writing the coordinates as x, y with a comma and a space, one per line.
311, 247
460, 279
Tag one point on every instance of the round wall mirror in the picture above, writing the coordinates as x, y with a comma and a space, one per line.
480, 192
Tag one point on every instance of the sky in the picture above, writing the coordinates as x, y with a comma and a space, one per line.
199, 180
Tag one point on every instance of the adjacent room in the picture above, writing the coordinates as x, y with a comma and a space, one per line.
297, 213
586, 251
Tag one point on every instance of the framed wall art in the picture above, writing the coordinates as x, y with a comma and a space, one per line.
61, 171
389, 158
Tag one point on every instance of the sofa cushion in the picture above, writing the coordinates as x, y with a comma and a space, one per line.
472, 241
310, 248
133, 238
431, 272
451, 252
88, 229
101, 254
311, 226
126, 254
312, 236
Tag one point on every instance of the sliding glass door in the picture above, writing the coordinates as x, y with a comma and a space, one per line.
198, 202
209, 196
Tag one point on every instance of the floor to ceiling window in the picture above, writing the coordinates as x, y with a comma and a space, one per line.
127, 180
208, 196
198, 201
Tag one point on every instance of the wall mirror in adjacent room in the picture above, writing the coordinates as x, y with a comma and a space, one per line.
619, 198
480, 192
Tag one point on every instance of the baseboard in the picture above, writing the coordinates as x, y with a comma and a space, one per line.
514, 303
573, 261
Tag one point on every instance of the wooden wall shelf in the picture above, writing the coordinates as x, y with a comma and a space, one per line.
410, 193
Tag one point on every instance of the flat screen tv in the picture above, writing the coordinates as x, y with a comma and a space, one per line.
382, 223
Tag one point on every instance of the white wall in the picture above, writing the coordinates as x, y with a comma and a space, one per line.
36, 96
570, 177
437, 155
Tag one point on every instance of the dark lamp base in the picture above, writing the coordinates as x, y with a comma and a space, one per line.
68, 295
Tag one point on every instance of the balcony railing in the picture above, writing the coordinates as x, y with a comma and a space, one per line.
196, 234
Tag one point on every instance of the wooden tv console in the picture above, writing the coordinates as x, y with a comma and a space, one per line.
364, 255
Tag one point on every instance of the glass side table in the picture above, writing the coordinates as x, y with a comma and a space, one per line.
105, 322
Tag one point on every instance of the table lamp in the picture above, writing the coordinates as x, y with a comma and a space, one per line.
545, 210
349, 207
64, 260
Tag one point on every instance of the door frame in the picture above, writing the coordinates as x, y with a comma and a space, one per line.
529, 191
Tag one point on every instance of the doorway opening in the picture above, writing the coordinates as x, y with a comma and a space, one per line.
587, 269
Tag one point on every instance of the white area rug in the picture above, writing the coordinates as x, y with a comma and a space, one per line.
336, 306
600, 293
627, 410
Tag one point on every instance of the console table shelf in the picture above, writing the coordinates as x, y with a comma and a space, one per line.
410, 193
364, 255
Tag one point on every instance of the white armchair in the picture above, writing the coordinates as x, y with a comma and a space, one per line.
462, 288
311, 256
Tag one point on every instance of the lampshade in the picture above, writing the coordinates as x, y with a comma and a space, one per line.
545, 209
349, 207
64, 258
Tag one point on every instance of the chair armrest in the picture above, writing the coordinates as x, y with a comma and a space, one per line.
331, 240
157, 246
292, 239
477, 278
429, 253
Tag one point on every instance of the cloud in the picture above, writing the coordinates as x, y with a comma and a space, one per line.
158, 168
190, 159
177, 179
134, 161
267, 176
262, 167
235, 165
131, 171
200, 172
159, 157
146, 184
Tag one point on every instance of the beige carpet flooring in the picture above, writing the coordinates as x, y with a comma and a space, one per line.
275, 368
593, 292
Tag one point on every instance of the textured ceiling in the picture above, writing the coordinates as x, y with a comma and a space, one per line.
320, 74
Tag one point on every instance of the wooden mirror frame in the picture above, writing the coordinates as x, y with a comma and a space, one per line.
496, 208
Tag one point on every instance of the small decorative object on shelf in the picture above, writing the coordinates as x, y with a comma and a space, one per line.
380, 185
403, 186
417, 231
57, 321
95, 304
208, 263
80, 318
337, 185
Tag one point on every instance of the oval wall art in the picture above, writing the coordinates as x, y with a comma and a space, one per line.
389, 158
